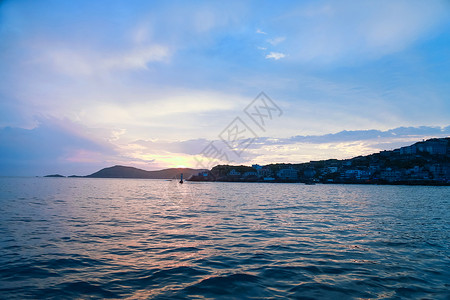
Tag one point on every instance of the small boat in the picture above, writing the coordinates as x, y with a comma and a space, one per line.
181, 178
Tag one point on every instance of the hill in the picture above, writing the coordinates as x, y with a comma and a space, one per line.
131, 172
425, 162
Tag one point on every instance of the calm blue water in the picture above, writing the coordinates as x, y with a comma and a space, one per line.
80, 238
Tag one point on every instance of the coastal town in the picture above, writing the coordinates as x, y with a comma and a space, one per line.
423, 163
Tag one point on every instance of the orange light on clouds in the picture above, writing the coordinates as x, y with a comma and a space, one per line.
169, 160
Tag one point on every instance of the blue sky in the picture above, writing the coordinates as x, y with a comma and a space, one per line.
90, 84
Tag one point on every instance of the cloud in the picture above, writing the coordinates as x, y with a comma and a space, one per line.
165, 73
53, 146
259, 31
336, 32
400, 133
191, 147
86, 62
344, 144
341, 145
275, 55
61, 146
276, 41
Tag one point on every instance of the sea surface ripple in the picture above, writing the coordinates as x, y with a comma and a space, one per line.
77, 238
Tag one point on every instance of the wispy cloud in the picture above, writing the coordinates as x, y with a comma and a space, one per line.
276, 40
275, 55
396, 134
334, 32
85, 62
259, 31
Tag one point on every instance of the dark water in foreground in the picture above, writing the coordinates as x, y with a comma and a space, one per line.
138, 239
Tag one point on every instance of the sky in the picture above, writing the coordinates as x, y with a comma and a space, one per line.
156, 84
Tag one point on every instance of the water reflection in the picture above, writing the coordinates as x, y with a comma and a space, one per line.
80, 238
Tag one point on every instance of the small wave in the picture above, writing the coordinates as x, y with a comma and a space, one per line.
20, 272
316, 290
75, 290
234, 284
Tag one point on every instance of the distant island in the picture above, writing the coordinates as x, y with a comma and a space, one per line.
423, 163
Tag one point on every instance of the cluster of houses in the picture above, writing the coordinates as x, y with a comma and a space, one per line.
265, 173
439, 173
426, 162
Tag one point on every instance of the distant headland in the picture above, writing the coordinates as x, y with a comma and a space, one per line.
131, 172
423, 163
54, 175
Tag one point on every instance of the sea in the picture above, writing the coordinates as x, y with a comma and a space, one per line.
79, 238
